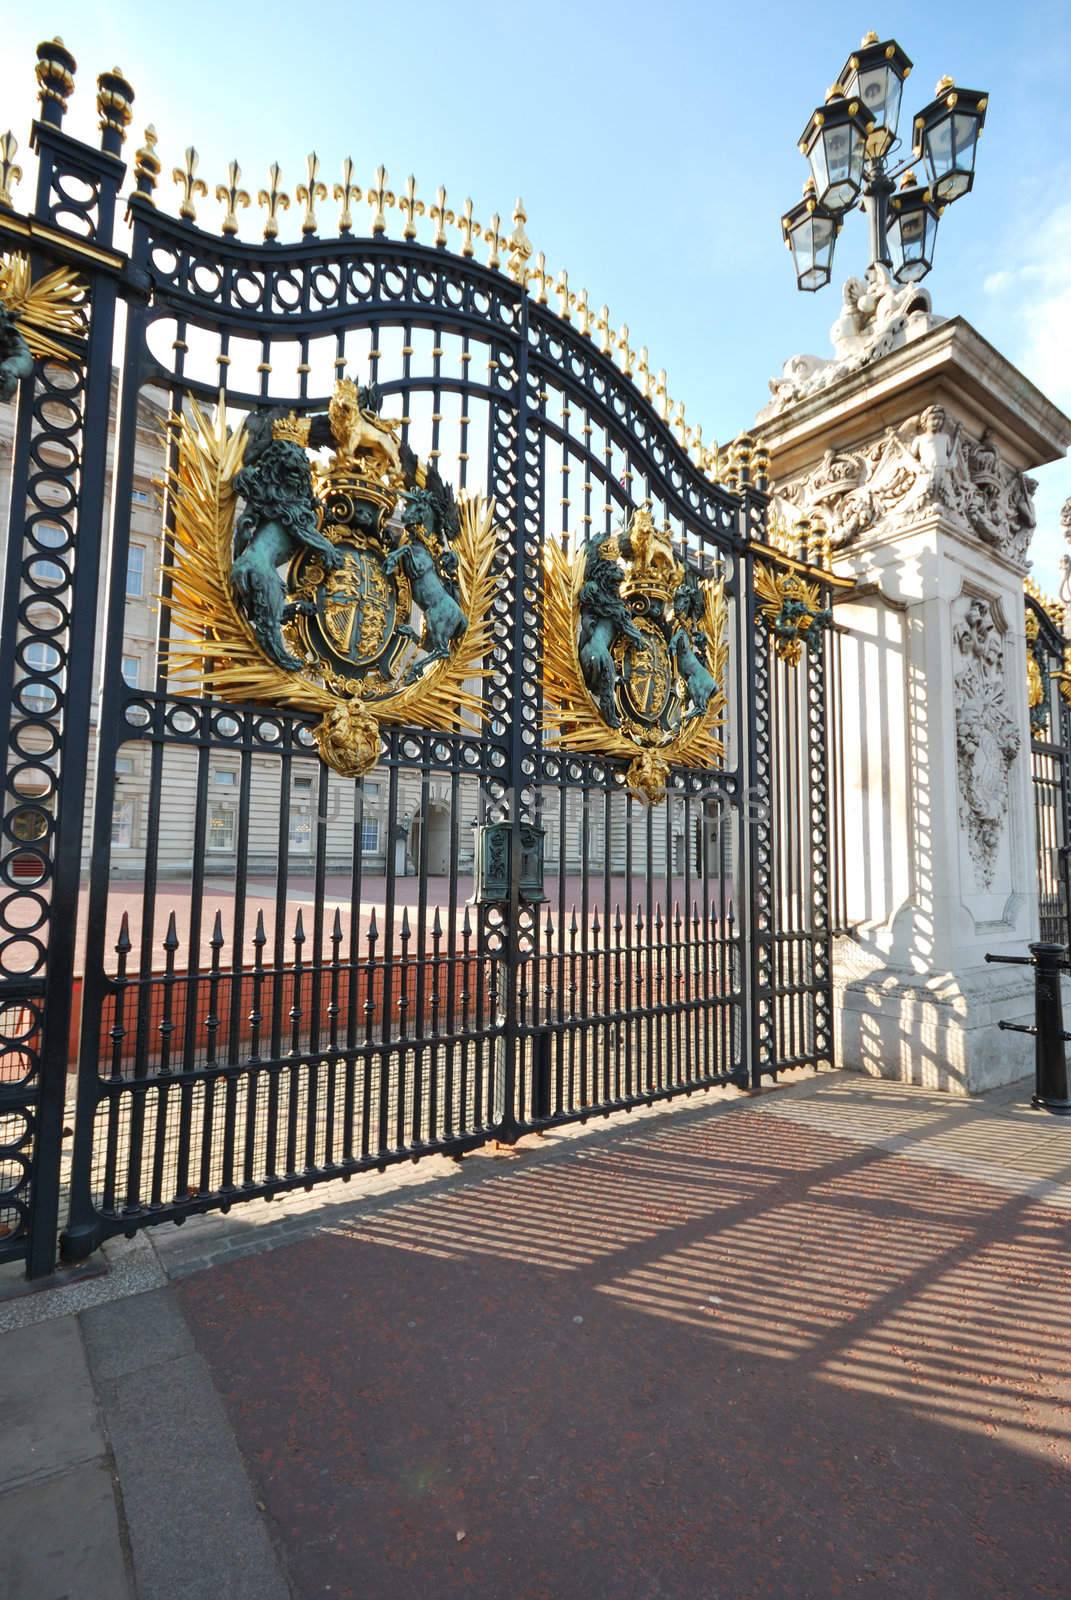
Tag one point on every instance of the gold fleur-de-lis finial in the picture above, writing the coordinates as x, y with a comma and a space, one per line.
190, 185
661, 398
441, 216
308, 193
540, 276
379, 198
348, 192
494, 240
684, 433
468, 228
232, 195
520, 246
643, 373
566, 301
602, 326
10, 171
412, 207
274, 199
627, 357
583, 314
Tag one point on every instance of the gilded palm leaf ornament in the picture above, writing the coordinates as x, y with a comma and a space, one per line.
359, 589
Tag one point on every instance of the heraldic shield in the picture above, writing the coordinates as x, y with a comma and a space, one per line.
358, 587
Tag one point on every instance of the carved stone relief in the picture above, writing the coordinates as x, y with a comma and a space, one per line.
920, 466
987, 739
876, 317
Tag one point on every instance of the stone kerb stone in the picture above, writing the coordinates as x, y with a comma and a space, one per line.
916, 462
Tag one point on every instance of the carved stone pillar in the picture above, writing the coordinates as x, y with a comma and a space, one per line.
912, 450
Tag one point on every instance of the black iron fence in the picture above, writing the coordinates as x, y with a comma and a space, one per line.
275, 974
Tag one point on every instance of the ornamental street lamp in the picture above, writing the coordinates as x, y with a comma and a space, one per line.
849, 143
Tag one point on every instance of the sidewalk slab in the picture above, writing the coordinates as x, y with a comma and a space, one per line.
48, 1407
60, 1539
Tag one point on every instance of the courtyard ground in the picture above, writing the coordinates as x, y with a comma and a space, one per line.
809, 1344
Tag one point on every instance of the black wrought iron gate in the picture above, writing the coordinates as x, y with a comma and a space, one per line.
1050, 755
281, 975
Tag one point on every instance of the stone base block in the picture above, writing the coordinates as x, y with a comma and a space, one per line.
938, 1031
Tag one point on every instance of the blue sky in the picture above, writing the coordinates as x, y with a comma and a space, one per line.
654, 146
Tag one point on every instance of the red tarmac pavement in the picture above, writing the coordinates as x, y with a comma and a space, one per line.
721, 1355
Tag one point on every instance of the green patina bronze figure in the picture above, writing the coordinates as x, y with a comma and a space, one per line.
16, 358
279, 517
689, 645
430, 523
604, 618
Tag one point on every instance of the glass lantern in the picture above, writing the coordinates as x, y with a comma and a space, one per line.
834, 142
946, 137
810, 233
874, 75
912, 230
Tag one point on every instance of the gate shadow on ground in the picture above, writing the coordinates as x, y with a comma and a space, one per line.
721, 1355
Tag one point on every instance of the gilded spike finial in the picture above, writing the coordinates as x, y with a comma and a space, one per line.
190, 184
232, 195
349, 193
147, 166
440, 215
520, 246
10, 171
54, 72
309, 192
627, 356
494, 240
583, 314
565, 299
273, 199
379, 198
541, 277
602, 326
114, 108
468, 228
661, 398
643, 374
412, 208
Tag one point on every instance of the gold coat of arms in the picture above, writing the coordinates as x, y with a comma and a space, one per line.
635, 654
358, 587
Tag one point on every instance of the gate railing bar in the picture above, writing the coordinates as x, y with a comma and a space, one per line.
1052, 1091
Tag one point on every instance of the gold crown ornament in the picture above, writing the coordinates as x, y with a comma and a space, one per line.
292, 428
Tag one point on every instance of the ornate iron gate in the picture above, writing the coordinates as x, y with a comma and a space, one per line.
572, 858
1050, 752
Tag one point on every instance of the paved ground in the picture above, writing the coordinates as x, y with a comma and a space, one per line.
812, 1344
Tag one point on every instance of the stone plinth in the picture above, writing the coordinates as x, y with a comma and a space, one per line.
915, 462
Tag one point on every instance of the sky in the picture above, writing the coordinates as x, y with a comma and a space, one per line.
655, 148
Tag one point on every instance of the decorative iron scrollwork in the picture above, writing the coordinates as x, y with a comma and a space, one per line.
306, 595
634, 655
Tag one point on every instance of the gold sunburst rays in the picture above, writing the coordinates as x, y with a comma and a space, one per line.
571, 718
213, 650
52, 304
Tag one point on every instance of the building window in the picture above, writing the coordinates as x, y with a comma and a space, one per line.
124, 764
220, 828
224, 779
141, 497
131, 670
52, 537
301, 831
42, 658
370, 820
123, 824
227, 727
135, 571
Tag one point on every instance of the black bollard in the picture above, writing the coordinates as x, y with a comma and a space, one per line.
1050, 1057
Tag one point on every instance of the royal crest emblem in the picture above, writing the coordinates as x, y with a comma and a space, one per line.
359, 587
635, 654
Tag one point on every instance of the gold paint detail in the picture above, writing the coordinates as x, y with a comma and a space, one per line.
190, 184
773, 587
52, 305
231, 195
114, 103
273, 199
348, 193
213, 650
379, 198
309, 192
147, 165
10, 171
520, 246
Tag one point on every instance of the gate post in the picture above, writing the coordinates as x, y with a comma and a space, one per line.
63, 731
915, 461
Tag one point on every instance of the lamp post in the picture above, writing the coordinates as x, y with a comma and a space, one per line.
850, 143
